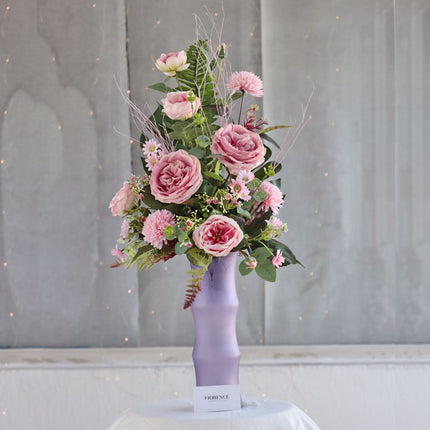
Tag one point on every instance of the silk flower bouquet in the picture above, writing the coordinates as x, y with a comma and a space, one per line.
210, 185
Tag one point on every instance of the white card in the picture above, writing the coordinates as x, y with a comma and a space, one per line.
212, 398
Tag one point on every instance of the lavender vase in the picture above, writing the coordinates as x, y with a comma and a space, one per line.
216, 352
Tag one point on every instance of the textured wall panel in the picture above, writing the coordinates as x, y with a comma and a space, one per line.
62, 162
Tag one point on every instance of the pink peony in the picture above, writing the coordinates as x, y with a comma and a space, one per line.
153, 229
172, 62
116, 252
125, 228
274, 199
176, 105
278, 259
176, 177
123, 200
240, 149
245, 81
239, 189
218, 235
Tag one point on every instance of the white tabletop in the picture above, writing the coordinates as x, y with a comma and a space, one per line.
178, 415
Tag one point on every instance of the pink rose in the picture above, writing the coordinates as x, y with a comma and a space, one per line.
176, 177
123, 200
240, 149
172, 62
177, 106
218, 235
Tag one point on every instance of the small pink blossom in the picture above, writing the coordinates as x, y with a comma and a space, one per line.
239, 148
151, 160
278, 259
239, 189
116, 252
153, 229
245, 81
274, 199
150, 146
177, 106
123, 200
172, 62
218, 235
251, 263
275, 222
125, 228
245, 176
176, 177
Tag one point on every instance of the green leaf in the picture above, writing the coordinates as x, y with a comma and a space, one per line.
261, 253
180, 234
254, 184
180, 248
269, 139
203, 141
244, 269
260, 196
198, 257
198, 77
243, 212
290, 258
275, 127
150, 201
170, 232
212, 175
266, 271
162, 87
197, 152
258, 224
140, 252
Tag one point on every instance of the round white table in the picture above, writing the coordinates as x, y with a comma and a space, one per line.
178, 414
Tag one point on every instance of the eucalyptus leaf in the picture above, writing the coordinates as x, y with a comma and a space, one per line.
203, 141
260, 196
243, 212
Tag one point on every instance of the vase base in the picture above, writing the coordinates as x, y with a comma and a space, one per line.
215, 398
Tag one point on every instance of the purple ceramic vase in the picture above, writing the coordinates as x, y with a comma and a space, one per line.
216, 352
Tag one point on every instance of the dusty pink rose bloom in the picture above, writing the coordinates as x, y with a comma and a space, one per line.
274, 199
176, 177
153, 229
123, 200
278, 259
218, 235
176, 105
240, 149
116, 252
245, 81
172, 62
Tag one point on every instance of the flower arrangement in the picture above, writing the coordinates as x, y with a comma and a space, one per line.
210, 186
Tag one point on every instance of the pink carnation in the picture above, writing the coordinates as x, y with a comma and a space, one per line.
245, 81
218, 235
239, 148
278, 259
153, 229
176, 177
116, 252
274, 199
